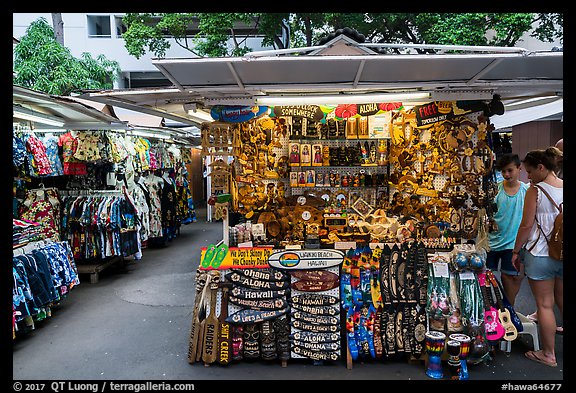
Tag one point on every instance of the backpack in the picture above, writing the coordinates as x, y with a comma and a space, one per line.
556, 237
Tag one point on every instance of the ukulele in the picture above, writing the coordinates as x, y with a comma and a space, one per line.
492, 327
511, 332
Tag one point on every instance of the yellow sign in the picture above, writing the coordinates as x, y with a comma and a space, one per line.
242, 258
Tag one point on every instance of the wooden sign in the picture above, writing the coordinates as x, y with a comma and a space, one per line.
317, 310
317, 275
315, 319
254, 316
315, 337
245, 293
263, 274
254, 283
315, 355
314, 286
305, 259
260, 304
312, 112
314, 300
321, 347
224, 332
315, 328
211, 327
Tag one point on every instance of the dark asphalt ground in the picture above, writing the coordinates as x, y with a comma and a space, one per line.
134, 325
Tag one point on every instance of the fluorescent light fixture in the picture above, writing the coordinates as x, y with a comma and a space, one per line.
241, 101
340, 99
148, 134
26, 114
463, 95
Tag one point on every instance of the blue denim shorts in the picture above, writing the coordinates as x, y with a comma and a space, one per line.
542, 268
505, 259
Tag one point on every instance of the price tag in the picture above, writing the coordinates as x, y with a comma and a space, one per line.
441, 269
467, 276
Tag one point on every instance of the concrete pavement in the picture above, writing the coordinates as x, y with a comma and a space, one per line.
134, 325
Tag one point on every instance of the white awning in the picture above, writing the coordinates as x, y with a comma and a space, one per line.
527, 114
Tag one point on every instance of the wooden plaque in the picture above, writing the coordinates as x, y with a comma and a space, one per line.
263, 274
254, 294
317, 310
254, 283
260, 304
316, 275
314, 286
306, 259
315, 328
254, 316
315, 337
315, 319
314, 300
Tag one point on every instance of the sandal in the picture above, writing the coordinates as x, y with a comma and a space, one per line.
532, 355
560, 330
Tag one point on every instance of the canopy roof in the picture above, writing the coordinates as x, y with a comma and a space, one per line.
513, 73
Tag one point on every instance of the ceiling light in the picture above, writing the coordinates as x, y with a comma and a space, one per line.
146, 134
340, 99
36, 117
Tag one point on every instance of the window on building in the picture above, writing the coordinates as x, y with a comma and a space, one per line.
120, 26
99, 26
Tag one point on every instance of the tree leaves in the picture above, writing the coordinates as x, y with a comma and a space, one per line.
42, 64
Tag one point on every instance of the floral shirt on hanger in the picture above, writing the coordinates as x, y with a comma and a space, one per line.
88, 148
39, 160
71, 165
51, 144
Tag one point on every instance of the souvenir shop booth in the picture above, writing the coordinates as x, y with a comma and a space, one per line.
355, 207
89, 191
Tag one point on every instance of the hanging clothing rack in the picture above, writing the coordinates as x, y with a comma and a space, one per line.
91, 192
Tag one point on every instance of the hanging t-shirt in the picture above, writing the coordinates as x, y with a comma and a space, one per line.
51, 144
88, 148
72, 166
40, 160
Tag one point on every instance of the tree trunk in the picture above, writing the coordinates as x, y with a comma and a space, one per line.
58, 25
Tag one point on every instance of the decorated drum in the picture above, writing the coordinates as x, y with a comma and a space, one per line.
435, 342
453, 348
464, 344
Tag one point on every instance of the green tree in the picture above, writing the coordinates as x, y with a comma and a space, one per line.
150, 32
42, 64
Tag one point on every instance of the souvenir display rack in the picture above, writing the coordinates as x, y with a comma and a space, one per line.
430, 183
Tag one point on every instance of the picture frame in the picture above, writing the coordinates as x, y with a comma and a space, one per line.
362, 207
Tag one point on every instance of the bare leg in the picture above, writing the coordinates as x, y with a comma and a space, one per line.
559, 295
543, 291
511, 285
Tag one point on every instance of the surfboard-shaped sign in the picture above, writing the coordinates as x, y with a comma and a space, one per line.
236, 113
313, 337
254, 283
254, 316
305, 259
260, 304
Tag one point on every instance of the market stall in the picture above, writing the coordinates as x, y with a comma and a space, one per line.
373, 217
355, 203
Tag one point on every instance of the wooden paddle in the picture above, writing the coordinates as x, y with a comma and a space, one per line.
201, 320
193, 343
211, 328
225, 331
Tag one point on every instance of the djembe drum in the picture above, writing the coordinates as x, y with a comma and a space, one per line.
453, 349
464, 352
435, 342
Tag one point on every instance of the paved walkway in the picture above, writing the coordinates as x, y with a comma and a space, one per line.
134, 325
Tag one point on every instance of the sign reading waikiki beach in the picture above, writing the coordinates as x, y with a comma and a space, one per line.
306, 259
